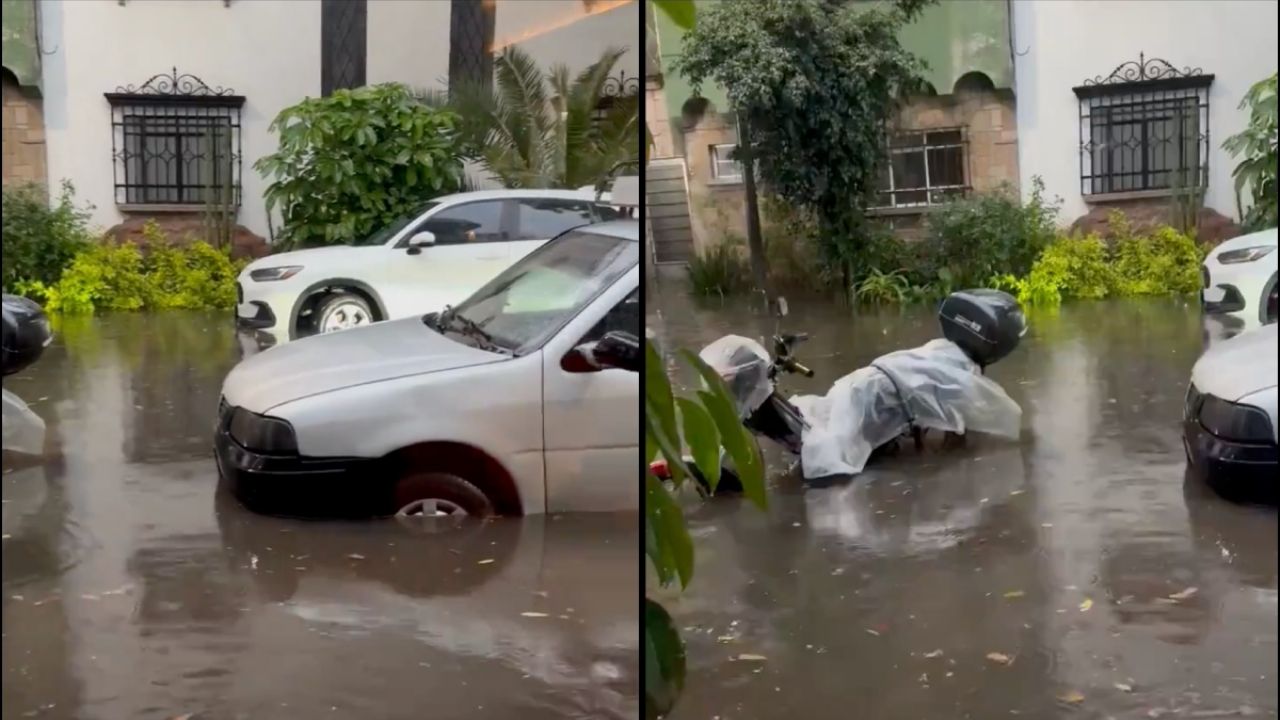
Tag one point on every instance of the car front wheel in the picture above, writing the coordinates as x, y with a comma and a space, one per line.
433, 494
341, 311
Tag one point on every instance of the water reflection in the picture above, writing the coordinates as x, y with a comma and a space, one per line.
1078, 553
134, 589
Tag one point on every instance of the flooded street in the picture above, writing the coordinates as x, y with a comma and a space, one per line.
1075, 573
134, 589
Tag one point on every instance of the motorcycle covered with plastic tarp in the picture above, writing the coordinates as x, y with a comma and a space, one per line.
26, 335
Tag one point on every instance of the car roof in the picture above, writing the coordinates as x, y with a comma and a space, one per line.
624, 229
517, 194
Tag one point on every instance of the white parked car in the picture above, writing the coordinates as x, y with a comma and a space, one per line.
1229, 422
1240, 278
437, 255
520, 399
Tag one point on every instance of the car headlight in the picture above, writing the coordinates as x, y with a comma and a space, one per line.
284, 272
1244, 255
263, 434
1232, 421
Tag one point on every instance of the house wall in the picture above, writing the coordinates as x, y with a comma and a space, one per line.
1061, 44
270, 52
23, 123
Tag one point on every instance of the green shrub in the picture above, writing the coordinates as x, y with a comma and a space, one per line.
39, 241
109, 276
352, 163
1162, 263
720, 269
987, 234
881, 288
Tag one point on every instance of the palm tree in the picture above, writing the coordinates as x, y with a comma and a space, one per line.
546, 131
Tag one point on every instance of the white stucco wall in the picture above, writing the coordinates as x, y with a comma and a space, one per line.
266, 50
1060, 43
269, 51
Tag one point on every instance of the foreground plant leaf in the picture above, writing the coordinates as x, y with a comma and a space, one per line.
667, 541
734, 437
664, 661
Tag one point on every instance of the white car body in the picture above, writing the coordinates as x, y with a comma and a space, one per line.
1242, 370
1241, 285
397, 281
567, 441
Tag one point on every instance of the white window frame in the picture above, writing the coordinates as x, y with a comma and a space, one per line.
929, 188
714, 151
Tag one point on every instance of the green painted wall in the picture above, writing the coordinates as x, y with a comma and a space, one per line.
953, 37
21, 53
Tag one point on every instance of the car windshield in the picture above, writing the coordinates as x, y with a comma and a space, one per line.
524, 306
381, 237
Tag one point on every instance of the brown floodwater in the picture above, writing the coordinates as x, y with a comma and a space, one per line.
1075, 573
133, 588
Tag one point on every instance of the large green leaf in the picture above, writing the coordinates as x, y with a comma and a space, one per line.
664, 661
737, 441
671, 550
703, 438
681, 12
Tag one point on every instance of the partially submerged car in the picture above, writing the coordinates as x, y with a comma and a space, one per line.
438, 254
520, 399
1239, 279
1229, 420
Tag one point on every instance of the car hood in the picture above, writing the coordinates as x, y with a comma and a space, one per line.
310, 255
1264, 237
1240, 366
324, 363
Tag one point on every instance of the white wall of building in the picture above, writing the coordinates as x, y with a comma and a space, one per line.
266, 50
1060, 44
269, 51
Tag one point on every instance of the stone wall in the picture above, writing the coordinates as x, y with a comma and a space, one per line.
183, 227
23, 133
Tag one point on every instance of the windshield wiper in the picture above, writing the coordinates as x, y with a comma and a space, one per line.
451, 320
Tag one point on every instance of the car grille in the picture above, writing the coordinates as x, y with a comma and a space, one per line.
1204, 276
239, 294
224, 413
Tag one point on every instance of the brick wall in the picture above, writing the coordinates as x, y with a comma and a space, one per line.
24, 156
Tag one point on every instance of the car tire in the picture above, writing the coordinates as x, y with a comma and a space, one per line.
444, 494
345, 310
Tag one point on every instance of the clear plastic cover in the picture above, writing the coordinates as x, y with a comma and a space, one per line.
23, 429
743, 364
934, 386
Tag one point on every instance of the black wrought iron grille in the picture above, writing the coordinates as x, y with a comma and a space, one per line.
176, 141
615, 91
1144, 127
925, 167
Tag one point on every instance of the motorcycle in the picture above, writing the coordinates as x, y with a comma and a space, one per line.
940, 385
26, 333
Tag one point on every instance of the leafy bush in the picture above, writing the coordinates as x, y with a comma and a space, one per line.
40, 241
109, 276
976, 237
1256, 146
880, 288
720, 269
1164, 262
352, 163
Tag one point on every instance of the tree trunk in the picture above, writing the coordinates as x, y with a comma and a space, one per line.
755, 240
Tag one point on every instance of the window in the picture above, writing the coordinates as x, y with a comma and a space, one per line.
723, 166
1144, 127
470, 223
624, 317
925, 167
541, 219
176, 141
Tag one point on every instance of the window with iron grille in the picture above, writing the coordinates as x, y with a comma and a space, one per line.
614, 93
924, 167
1144, 127
723, 166
176, 141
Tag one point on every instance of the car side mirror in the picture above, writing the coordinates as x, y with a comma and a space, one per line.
420, 240
619, 350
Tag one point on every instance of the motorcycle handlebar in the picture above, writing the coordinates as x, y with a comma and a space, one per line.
792, 366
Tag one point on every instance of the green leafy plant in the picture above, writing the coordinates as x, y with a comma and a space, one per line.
989, 233
1255, 146
39, 240
353, 162
536, 130
720, 269
787, 92
708, 423
881, 288
109, 276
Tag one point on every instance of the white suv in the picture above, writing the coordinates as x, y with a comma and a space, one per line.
435, 256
